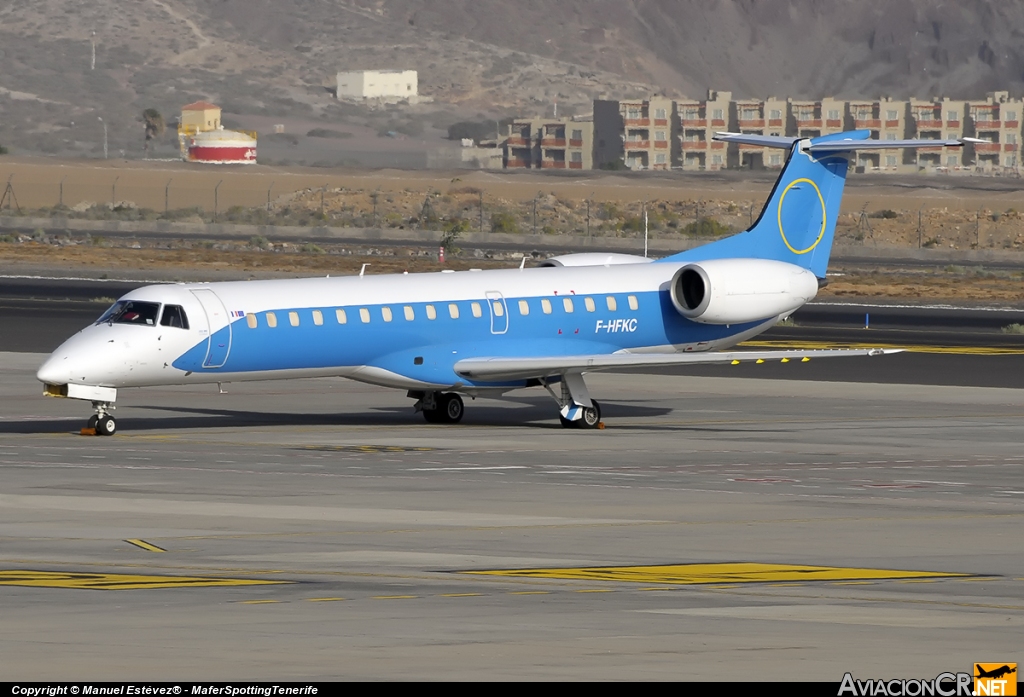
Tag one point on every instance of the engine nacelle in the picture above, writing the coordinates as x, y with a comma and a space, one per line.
734, 291
595, 259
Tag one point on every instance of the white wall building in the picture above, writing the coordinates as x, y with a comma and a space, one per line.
378, 84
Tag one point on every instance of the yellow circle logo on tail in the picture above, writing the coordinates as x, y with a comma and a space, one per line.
824, 215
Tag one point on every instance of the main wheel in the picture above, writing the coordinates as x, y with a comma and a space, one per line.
591, 416
92, 421
105, 425
432, 416
451, 408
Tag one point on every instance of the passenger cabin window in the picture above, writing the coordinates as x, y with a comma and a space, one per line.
271, 319
453, 310
612, 305
131, 312
318, 317
545, 305
589, 302
477, 310
293, 319
524, 307
250, 319
431, 312
174, 316
633, 304
364, 315
385, 312
342, 317
499, 308
567, 304
410, 314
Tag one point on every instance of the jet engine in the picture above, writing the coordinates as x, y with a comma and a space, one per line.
734, 291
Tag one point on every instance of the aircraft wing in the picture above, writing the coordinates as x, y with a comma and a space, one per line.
848, 145
784, 142
504, 368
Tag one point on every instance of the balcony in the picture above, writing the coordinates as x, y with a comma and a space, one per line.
575, 165
833, 123
865, 123
637, 122
747, 147
1011, 124
986, 147
892, 123
660, 144
660, 122
979, 124
751, 123
553, 164
1009, 147
929, 123
953, 124
518, 162
517, 140
774, 122
691, 145
718, 123
717, 145
576, 142
810, 123
699, 123
552, 142
638, 145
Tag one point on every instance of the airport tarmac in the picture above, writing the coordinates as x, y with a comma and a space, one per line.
719, 528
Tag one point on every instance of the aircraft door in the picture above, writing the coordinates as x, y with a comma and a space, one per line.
218, 346
499, 312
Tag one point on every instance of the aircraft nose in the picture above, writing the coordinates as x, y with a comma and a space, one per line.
54, 371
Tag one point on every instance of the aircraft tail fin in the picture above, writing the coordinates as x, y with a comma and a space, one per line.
798, 222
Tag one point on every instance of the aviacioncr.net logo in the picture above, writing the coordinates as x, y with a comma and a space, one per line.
943, 685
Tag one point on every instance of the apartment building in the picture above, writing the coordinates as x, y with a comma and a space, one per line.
644, 129
564, 143
886, 118
935, 119
760, 117
997, 118
698, 121
810, 119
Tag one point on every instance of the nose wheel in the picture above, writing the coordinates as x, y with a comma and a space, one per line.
102, 423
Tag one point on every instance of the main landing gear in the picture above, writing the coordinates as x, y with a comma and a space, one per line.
576, 408
440, 407
102, 422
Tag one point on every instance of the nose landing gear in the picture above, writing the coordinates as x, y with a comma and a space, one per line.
102, 423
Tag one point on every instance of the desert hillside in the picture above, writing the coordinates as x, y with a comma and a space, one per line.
275, 59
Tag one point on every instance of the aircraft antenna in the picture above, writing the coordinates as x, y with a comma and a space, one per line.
645, 230
522, 264
362, 270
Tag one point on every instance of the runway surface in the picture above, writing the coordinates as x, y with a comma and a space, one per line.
750, 528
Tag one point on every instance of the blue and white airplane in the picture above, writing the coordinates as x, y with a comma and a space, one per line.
442, 335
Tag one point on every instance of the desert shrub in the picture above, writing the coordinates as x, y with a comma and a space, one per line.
503, 221
885, 213
1015, 328
707, 227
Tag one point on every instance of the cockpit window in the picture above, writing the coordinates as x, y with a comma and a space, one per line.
174, 316
131, 312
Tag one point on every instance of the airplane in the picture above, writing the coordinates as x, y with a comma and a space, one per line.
995, 673
446, 334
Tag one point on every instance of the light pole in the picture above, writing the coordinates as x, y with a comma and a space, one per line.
104, 136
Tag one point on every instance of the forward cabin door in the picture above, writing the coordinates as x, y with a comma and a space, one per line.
218, 345
499, 312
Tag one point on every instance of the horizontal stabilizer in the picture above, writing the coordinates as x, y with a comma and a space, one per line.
500, 368
839, 142
784, 142
850, 145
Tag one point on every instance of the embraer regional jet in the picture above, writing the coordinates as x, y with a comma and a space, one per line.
442, 335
